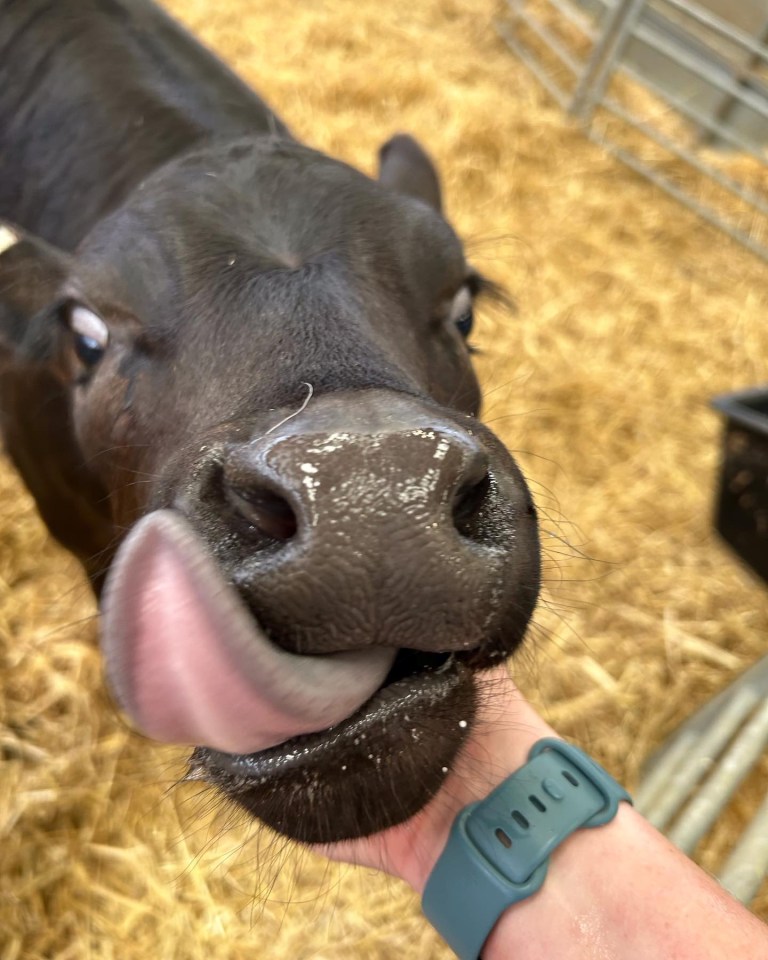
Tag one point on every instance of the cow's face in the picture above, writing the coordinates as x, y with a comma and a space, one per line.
258, 370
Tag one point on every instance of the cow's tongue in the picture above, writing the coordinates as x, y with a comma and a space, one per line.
188, 663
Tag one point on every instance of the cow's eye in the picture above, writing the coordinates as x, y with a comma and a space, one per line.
90, 335
461, 311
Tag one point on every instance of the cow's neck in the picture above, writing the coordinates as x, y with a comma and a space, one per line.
95, 95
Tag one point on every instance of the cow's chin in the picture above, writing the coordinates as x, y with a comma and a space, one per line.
370, 772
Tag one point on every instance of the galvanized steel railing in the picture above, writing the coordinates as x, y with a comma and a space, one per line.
711, 72
699, 769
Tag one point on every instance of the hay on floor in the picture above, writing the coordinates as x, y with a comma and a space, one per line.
632, 313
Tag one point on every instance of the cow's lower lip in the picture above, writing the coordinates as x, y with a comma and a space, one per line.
373, 770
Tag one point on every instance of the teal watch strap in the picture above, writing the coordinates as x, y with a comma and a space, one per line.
498, 849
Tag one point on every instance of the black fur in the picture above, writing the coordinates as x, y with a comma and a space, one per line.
233, 266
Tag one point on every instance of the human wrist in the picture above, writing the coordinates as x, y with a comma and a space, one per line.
623, 891
500, 848
583, 898
506, 728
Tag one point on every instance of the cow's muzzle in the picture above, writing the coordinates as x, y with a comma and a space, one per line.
380, 551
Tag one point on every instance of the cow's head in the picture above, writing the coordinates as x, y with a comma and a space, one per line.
247, 401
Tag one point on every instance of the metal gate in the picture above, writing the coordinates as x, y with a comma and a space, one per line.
707, 61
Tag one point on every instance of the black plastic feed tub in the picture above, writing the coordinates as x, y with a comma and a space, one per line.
742, 509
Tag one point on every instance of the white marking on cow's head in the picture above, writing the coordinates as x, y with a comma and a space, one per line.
8, 238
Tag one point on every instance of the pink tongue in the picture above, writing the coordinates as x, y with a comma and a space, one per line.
189, 664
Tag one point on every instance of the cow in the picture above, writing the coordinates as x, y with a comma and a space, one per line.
235, 377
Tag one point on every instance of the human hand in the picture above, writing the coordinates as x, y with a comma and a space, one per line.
505, 728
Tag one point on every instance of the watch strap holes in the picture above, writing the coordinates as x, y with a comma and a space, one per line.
537, 803
521, 820
570, 777
503, 838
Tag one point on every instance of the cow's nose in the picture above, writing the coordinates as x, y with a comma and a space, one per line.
285, 487
378, 520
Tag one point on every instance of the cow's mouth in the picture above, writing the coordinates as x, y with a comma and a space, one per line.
320, 747
374, 769
419, 663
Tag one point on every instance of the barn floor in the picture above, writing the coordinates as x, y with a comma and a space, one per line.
631, 315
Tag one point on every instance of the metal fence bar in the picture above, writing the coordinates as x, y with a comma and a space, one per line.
553, 43
619, 25
691, 113
745, 75
573, 16
719, 26
709, 20
702, 56
557, 94
720, 80
705, 736
706, 213
672, 771
744, 871
744, 193
742, 754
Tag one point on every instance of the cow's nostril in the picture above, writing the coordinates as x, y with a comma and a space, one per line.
467, 503
262, 509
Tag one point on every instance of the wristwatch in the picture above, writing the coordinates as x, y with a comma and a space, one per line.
498, 849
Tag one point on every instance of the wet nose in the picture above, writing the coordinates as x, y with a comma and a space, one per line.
283, 488
378, 521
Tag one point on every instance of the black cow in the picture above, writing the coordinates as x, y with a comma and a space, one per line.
234, 376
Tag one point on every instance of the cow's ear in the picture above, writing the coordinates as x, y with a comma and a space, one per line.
35, 415
31, 272
405, 166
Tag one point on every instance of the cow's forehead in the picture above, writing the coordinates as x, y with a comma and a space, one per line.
253, 208
275, 188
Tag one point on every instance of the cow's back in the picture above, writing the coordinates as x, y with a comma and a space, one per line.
94, 95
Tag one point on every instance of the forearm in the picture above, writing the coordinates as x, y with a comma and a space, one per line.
616, 892
623, 892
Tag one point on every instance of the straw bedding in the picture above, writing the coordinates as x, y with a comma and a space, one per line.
631, 315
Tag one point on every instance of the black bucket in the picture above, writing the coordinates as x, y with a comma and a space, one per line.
742, 509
